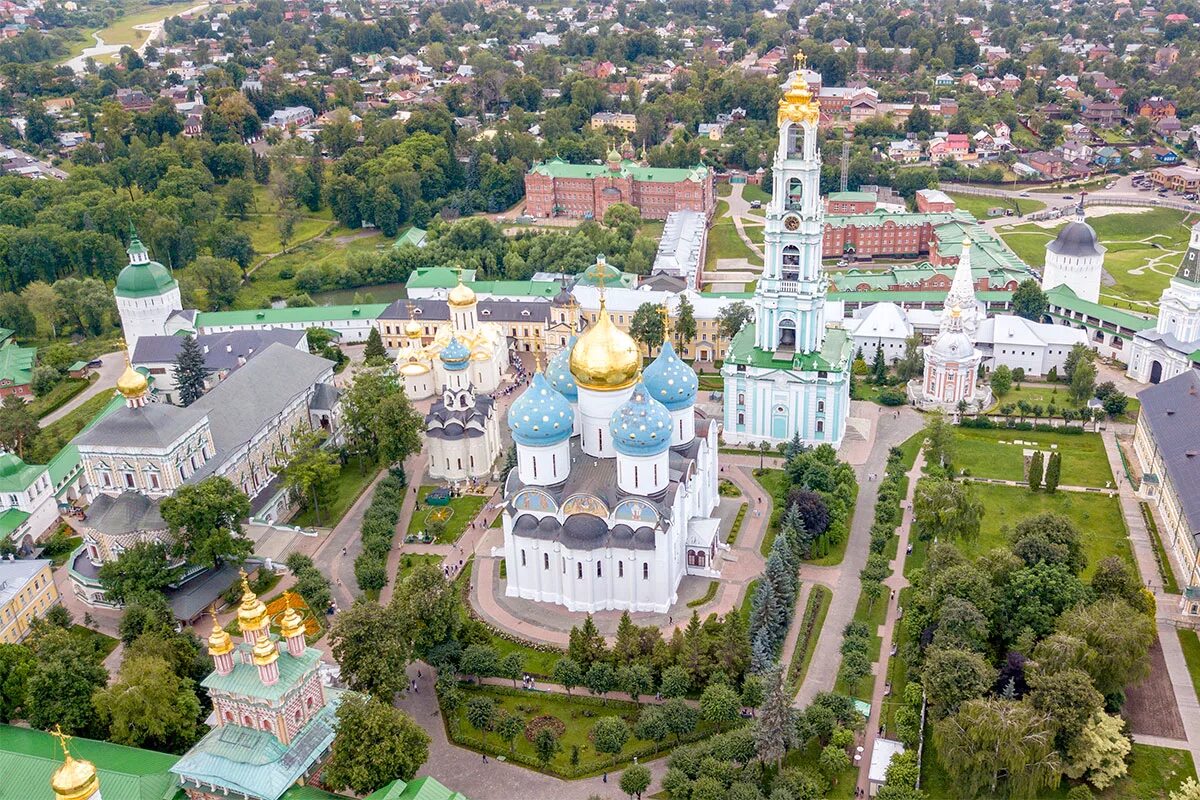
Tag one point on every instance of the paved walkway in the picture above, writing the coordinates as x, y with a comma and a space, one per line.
1167, 605
465, 770
111, 367
335, 555
896, 581
890, 431
739, 207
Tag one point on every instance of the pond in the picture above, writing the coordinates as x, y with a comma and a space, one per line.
383, 293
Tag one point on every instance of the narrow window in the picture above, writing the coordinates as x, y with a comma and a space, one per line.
579, 570
635, 476
598, 572
601, 432
545, 561
620, 569
522, 558
553, 463
645, 570
534, 458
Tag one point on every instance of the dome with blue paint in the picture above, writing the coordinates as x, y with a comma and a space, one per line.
641, 426
455, 355
558, 372
670, 381
540, 416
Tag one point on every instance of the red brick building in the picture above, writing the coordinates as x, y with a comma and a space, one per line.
585, 191
883, 235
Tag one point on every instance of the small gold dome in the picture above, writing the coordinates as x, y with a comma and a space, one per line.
219, 641
252, 614
461, 296
75, 779
265, 652
605, 358
413, 369
132, 384
413, 330
292, 623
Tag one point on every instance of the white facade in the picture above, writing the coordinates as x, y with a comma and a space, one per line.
1164, 352
952, 360
788, 373
1036, 347
1076, 259
462, 431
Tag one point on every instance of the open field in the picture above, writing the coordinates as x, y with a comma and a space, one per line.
1097, 516
1047, 394
351, 482
121, 31
979, 206
1144, 250
980, 453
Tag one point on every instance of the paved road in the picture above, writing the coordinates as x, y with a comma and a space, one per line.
113, 364
822, 671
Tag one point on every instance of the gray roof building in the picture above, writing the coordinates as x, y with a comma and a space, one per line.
1077, 240
222, 351
1171, 410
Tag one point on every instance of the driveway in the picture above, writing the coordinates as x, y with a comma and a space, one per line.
113, 364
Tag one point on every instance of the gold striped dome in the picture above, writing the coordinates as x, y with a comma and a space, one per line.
265, 651
252, 614
132, 384
75, 779
605, 358
461, 296
292, 623
219, 641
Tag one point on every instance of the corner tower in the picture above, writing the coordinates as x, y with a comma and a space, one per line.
146, 294
1075, 259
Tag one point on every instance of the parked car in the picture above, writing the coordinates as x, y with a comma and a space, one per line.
756, 203
1068, 197
1024, 194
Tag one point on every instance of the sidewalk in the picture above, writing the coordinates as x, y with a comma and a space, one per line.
896, 581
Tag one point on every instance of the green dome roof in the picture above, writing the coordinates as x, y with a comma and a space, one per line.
143, 277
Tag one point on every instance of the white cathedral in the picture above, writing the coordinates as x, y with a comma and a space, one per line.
788, 371
1166, 350
612, 500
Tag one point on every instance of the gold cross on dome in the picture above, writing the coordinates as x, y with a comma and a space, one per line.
665, 313
63, 739
801, 60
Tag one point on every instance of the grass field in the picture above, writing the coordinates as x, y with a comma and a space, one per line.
1159, 235
1083, 460
465, 509
979, 206
1190, 643
724, 242
539, 663
1098, 518
750, 193
775, 483
57, 434
1154, 772
578, 715
1045, 394
351, 482
263, 230
60, 395
121, 30
267, 283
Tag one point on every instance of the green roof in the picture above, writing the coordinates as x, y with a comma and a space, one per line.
851, 197
426, 788
414, 236
244, 679
16, 475
144, 278
833, 356
28, 758
437, 278
10, 520
557, 168
6, 334
446, 278
16, 364
902, 296
282, 316
1065, 297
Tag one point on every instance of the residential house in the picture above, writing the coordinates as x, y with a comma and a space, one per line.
1103, 114
1156, 108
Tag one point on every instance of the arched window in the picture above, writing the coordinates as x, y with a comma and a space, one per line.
266, 724
228, 716
248, 721
545, 561
645, 570
820, 406
700, 558
599, 573
741, 419
579, 570
741, 399
820, 426
795, 194
620, 569
299, 715
309, 703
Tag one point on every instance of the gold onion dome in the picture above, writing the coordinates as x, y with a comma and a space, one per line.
219, 641
265, 651
132, 384
605, 357
412, 329
75, 779
461, 295
797, 104
252, 614
292, 623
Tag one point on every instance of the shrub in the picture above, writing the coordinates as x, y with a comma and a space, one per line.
546, 721
893, 397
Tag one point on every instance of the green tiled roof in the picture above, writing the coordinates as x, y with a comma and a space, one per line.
28, 758
6, 334
1065, 297
420, 789
414, 236
244, 680
437, 278
252, 762
10, 520
833, 357
16, 475
283, 316
902, 296
851, 197
517, 288
16, 364
557, 168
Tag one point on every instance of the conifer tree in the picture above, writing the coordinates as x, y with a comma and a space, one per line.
776, 720
374, 349
1035, 471
190, 372
879, 366
1053, 472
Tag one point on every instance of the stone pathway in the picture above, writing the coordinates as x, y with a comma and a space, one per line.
335, 555
739, 207
1167, 605
822, 672
896, 581
111, 367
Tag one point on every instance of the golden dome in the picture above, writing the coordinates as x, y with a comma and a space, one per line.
292, 623
132, 384
265, 652
413, 369
461, 296
219, 641
74, 779
252, 614
797, 103
605, 358
413, 330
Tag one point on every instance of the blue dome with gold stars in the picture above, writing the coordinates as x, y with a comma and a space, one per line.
670, 381
455, 355
558, 372
641, 426
540, 416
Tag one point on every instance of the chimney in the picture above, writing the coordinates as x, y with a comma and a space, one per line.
205, 349
228, 348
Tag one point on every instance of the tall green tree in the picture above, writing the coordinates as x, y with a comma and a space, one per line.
775, 732
939, 440
375, 744
1034, 477
946, 509
732, 317
16, 662
1053, 472
684, 327
993, 742
150, 706
374, 352
1029, 301
1001, 381
646, 327
372, 648
952, 677
18, 426
190, 371
609, 735
481, 714
68, 670
309, 472
429, 608
635, 780
141, 569
205, 521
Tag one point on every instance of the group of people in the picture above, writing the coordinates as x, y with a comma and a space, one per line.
527, 680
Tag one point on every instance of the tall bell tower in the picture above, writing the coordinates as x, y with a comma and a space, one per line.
790, 297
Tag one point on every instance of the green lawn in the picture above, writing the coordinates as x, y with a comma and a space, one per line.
1045, 394
539, 663
351, 482
979, 451
1097, 516
808, 759
1154, 772
751, 192
57, 434
263, 230
724, 242
1133, 241
1190, 643
60, 395
121, 30
464, 509
775, 483
979, 206
1165, 571
104, 644
577, 714
410, 561
748, 599
268, 283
